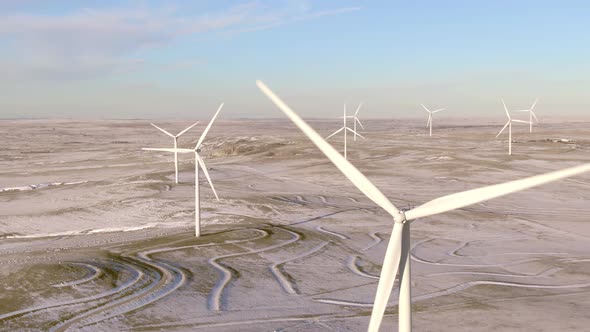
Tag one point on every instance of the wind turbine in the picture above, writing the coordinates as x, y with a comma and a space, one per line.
397, 255
198, 161
509, 125
429, 123
531, 115
345, 128
175, 137
355, 119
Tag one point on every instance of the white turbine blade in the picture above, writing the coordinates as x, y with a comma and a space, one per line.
353, 174
204, 168
534, 115
359, 122
336, 132
387, 276
521, 121
506, 125
358, 109
169, 150
207, 128
506, 109
522, 111
425, 108
354, 132
438, 110
165, 132
184, 131
534, 103
469, 197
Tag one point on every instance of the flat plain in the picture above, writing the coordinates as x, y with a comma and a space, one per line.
96, 236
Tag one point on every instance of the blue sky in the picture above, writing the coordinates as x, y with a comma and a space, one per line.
165, 59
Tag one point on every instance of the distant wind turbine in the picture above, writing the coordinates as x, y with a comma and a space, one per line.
509, 125
355, 119
198, 161
175, 137
429, 123
531, 115
397, 255
345, 128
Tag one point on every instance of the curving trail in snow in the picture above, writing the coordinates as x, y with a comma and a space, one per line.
376, 241
94, 272
351, 264
278, 272
338, 235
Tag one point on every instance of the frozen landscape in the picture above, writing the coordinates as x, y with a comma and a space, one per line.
96, 236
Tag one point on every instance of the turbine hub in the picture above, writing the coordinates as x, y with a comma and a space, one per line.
400, 217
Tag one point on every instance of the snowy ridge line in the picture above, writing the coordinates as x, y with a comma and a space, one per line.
376, 241
541, 274
338, 235
94, 273
214, 300
353, 267
95, 231
136, 277
452, 290
279, 275
39, 186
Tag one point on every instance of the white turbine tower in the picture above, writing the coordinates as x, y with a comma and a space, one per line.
198, 161
175, 137
397, 255
345, 128
356, 120
509, 125
429, 123
531, 115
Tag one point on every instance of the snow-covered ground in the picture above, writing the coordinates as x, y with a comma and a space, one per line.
96, 236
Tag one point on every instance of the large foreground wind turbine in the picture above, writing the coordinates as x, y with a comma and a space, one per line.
397, 255
531, 115
345, 128
509, 125
198, 161
355, 119
175, 137
429, 123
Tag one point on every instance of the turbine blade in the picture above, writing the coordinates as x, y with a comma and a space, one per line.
534, 103
506, 109
438, 110
204, 168
165, 132
358, 109
184, 131
425, 108
208, 127
169, 150
521, 121
359, 122
336, 132
534, 115
506, 125
353, 174
387, 276
469, 197
354, 132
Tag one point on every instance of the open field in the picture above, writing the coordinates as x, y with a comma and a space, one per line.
95, 235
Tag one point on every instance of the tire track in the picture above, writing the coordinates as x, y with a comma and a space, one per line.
280, 275
95, 272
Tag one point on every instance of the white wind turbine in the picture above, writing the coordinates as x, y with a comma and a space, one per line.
198, 161
397, 255
345, 128
531, 115
356, 120
175, 137
509, 125
429, 123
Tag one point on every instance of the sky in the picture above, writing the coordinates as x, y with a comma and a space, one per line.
180, 59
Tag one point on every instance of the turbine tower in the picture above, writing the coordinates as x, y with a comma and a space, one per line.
356, 120
175, 137
198, 161
397, 255
509, 125
429, 123
345, 128
531, 115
